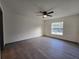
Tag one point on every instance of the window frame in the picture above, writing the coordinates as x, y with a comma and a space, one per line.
61, 24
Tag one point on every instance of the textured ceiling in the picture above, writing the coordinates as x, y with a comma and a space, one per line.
30, 7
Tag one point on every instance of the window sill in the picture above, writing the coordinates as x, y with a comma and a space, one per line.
57, 33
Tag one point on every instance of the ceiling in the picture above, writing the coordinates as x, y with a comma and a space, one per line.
30, 7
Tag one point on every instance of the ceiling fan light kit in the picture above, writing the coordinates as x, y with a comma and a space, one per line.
44, 16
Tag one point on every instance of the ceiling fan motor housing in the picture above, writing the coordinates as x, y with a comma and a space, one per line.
44, 13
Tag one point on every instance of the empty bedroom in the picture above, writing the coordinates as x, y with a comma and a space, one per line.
39, 29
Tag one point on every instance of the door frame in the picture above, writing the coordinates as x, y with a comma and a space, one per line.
2, 40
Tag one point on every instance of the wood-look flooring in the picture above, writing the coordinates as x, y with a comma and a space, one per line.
41, 48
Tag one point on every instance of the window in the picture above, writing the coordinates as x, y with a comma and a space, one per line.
57, 28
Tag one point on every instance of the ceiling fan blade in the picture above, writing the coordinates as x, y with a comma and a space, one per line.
39, 11
50, 9
50, 12
49, 15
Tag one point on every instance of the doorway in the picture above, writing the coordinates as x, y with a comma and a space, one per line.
1, 30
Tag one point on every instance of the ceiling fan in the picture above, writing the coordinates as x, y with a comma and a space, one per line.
46, 13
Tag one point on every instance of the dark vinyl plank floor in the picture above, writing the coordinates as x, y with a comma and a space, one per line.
41, 48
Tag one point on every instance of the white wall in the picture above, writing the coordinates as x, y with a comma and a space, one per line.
19, 27
71, 28
78, 30
19, 24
